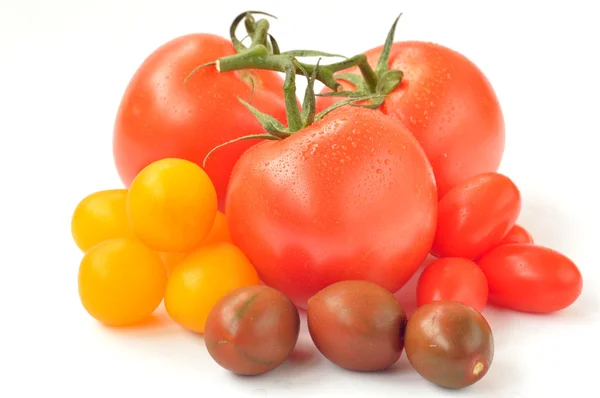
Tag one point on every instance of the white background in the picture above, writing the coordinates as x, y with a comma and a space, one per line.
63, 68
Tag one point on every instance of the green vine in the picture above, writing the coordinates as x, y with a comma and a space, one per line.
264, 53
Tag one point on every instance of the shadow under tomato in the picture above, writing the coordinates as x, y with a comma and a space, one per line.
157, 321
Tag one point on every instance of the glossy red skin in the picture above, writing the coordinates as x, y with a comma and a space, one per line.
448, 104
531, 278
517, 234
159, 117
476, 215
350, 197
453, 279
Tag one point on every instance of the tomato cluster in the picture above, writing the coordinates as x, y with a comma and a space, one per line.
163, 238
243, 204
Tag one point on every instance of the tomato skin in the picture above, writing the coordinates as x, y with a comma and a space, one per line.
531, 278
159, 117
453, 279
476, 215
350, 197
202, 279
449, 105
100, 216
517, 234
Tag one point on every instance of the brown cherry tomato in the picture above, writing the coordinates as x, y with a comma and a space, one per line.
252, 330
357, 325
449, 344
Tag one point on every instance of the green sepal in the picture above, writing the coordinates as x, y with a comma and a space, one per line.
339, 104
269, 123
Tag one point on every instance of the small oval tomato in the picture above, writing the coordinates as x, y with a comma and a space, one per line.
447, 102
531, 278
99, 217
351, 196
172, 205
453, 279
202, 279
121, 281
517, 234
161, 117
475, 215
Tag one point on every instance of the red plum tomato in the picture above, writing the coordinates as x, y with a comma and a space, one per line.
476, 215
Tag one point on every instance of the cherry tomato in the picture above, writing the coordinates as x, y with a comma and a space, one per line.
517, 234
531, 278
350, 197
121, 281
172, 205
99, 217
202, 279
448, 104
218, 233
475, 215
160, 117
453, 279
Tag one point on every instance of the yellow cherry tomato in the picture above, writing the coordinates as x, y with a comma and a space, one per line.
172, 205
204, 277
99, 217
218, 233
121, 281
171, 259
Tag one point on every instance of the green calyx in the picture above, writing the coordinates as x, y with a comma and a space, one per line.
372, 86
382, 83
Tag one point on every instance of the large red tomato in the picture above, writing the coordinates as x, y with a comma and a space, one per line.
350, 197
448, 104
160, 117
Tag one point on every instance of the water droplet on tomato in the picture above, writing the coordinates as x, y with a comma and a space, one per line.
379, 171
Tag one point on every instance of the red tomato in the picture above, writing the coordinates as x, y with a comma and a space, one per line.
531, 278
350, 197
453, 279
475, 215
517, 234
159, 117
448, 104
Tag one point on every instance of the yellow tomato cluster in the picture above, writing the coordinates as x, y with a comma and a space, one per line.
163, 238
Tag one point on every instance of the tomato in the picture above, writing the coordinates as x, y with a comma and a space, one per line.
100, 216
352, 196
121, 281
218, 233
517, 234
160, 117
172, 205
202, 279
476, 215
448, 104
531, 278
453, 279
